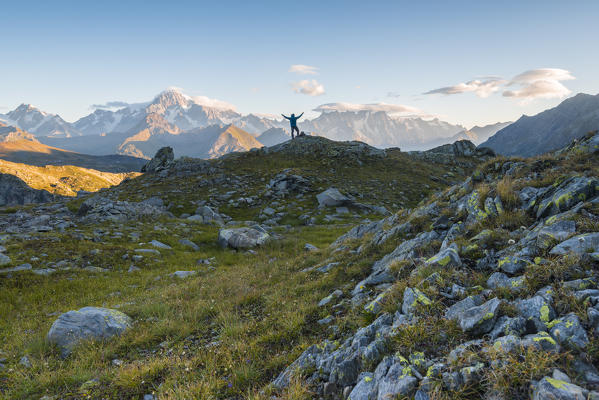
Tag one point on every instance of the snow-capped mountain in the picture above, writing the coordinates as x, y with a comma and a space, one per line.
172, 113
379, 129
174, 107
39, 123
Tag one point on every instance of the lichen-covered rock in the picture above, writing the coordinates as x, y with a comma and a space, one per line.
481, 319
475, 212
569, 332
500, 280
447, 257
412, 298
537, 309
376, 305
307, 361
506, 326
365, 389
578, 245
242, 238
397, 382
554, 233
87, 323
550, 388
512, 265
566, 195
540, 341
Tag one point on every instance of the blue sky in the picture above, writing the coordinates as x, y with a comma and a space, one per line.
64, 56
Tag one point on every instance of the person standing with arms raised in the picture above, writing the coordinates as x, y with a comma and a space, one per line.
293, 121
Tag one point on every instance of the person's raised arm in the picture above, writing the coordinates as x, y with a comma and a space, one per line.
285, 116
299, 116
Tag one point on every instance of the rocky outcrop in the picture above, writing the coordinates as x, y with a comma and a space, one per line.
448, 153
162, 160
13, 191
99, 208
516, 309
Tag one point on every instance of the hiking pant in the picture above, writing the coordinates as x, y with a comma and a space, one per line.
294, 128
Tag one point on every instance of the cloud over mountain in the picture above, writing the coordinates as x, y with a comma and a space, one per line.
109, 105
308, 87
388, 108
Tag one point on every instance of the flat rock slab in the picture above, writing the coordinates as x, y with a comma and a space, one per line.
87, 323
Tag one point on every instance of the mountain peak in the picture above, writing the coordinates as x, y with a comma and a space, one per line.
26, 108
171, 97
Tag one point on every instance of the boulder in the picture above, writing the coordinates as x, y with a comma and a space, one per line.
569, 332
87, 323
242, 238
332, 197
536, 309
481, 319
162, 160
550, 388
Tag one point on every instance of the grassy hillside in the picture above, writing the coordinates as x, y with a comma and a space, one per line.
35, 153
63, 180
228, 331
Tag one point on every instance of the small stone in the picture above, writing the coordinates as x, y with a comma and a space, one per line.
160, 245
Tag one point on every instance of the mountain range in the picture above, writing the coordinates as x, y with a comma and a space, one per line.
205, 130
548, 130
197, 128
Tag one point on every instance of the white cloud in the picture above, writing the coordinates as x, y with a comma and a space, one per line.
109, 105
308, 87
388, 108
214, 103
303, 69
482, 88
535, 83
542, 83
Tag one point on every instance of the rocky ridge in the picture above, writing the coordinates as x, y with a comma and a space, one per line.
501, 275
